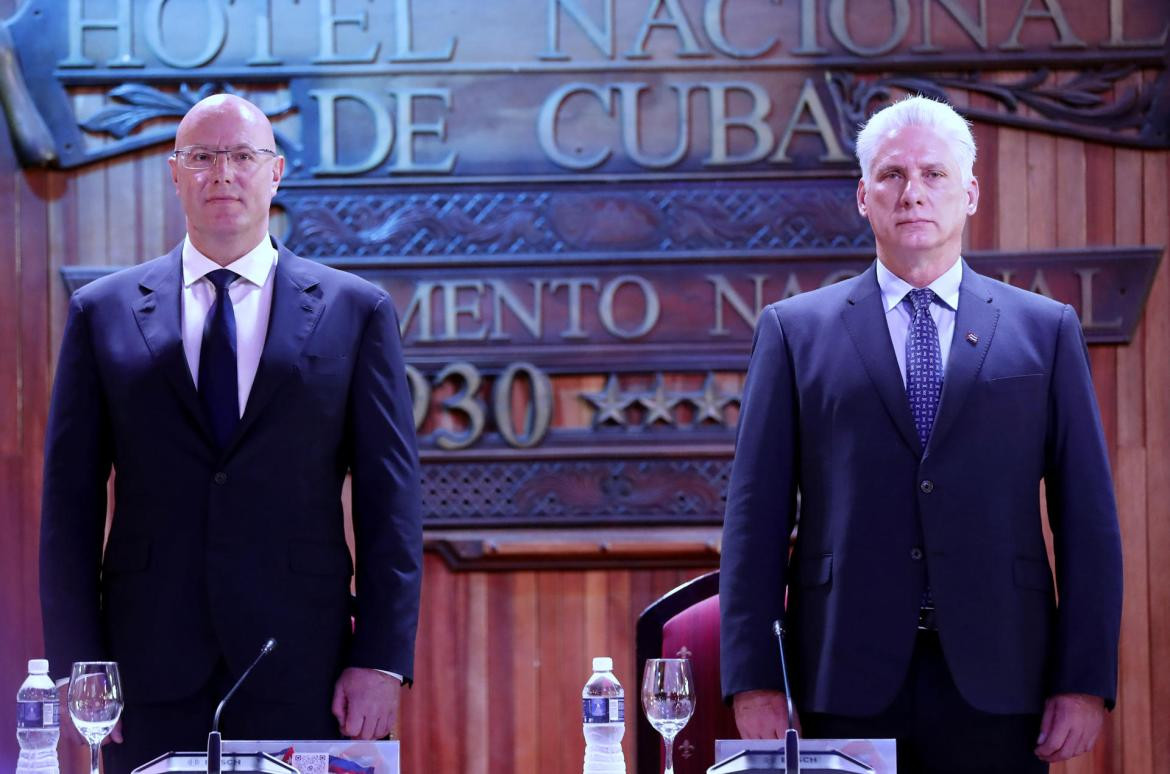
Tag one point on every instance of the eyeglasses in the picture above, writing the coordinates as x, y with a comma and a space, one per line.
242, 157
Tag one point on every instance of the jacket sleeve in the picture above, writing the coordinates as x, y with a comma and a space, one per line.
78, 458
387, 509
1083, 516
760, 515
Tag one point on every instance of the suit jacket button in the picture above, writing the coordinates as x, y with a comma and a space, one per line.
926, 486
220, 478
916, 553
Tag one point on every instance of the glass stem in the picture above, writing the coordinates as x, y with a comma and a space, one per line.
94, 748
669, 755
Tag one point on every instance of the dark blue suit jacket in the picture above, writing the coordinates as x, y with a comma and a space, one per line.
209, 552
825, 417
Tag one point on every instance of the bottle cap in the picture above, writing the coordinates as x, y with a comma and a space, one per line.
38, 666
602, 664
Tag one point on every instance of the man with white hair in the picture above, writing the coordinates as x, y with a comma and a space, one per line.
915, 410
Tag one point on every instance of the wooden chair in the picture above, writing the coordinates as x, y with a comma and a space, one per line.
684, 623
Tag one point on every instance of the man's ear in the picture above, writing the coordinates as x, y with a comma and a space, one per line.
861, 197
973, 196
277, 172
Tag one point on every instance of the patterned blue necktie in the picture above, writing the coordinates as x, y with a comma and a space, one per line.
218, 384
924, 372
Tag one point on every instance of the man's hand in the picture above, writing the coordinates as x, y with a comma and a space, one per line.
762, 714
69, 732
1070, 726
365, 703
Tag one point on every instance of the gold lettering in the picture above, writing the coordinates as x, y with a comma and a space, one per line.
121, 24
631, 120
214, 22
546, 126
1040, 284
601, 37
465, 401
1117, 37
809, 45
327, 100
1088, 320
977, 31
327, 34
408, 129
840, 29
753, 122
574, 285
713, 24
724, 291
404, 32
420, 395
810, 100
1054, 14
420, 304
262, 20
453, 309
502, 296
538, 415
676, 20
792, 286
650, 306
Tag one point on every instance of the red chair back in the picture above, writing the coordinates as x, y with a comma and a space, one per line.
684, 623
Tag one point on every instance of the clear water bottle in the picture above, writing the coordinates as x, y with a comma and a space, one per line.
603, 721
37, 721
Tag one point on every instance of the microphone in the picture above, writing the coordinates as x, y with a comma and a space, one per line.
791, 740
214, 741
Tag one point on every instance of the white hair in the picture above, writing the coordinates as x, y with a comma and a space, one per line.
924, 112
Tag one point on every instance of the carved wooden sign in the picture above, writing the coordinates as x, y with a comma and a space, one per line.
580, 206
398, 88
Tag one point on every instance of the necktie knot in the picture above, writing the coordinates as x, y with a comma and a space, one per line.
221, 278
920, 299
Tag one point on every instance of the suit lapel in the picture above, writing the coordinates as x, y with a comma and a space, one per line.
865, 319
975, 323
158, 311
294, 315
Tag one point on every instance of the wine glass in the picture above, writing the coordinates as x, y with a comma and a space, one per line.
668, 697
95, 703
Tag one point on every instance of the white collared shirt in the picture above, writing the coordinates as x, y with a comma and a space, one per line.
898, 317
251, 296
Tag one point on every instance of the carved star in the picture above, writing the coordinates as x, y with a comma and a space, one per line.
658, 404
610, 404
710, 402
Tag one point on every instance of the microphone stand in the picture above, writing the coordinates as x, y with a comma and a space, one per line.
791, 739
214, 741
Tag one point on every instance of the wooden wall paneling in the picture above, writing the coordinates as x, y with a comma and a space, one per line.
1010, 192
1041, 192
1156, 325
13, 552
1133, 691
91, 228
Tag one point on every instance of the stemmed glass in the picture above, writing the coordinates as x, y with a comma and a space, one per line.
668, 697
95, 703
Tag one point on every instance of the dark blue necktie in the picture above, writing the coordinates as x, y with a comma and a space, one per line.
218, 385
924, 371
924, 378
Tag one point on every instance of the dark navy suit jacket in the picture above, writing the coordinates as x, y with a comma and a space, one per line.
211, 552
825, 417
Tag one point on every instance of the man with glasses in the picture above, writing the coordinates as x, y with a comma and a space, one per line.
231, 387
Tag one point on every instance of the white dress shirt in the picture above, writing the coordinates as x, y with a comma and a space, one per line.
898, 317
251, 296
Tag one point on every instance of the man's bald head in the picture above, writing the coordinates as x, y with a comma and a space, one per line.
225, 110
